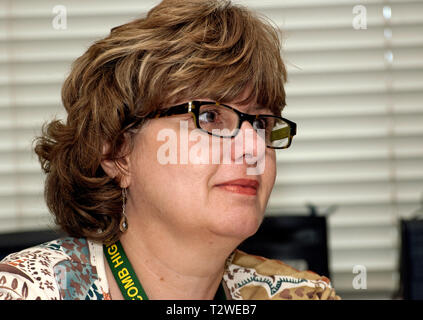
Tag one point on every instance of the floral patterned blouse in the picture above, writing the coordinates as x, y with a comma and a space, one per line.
73, 269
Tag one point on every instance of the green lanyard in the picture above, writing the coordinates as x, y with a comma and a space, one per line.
126, 277
123, 272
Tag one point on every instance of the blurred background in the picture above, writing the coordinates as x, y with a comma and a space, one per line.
355, 90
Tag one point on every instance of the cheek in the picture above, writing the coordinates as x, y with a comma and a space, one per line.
270, 169
170, 180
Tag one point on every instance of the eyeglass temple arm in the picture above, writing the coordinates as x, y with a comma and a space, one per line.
292, 125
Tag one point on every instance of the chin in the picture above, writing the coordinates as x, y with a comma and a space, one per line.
240, 225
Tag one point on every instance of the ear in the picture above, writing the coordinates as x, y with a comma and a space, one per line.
117, 169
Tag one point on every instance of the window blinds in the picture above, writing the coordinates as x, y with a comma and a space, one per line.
356, 94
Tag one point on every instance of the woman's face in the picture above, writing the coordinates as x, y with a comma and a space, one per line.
185, 197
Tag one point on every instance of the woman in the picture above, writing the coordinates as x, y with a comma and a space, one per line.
182, 83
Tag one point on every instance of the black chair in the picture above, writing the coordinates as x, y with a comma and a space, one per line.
411, 259
292, 239
17, 241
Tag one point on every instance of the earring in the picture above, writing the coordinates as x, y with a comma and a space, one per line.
123, 226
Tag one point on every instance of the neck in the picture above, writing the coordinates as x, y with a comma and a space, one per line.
178, 266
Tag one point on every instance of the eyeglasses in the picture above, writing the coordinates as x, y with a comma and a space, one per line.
224, 121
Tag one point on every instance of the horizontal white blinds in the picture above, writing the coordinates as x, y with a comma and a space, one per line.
355, 94
357, 97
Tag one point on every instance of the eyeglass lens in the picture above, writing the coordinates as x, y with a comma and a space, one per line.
224, 121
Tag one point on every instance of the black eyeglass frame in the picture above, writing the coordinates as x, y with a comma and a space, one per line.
193, 107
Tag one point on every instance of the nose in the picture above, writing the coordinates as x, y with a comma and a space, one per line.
249, 144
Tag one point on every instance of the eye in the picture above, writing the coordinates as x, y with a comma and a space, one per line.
209, 115
261, 123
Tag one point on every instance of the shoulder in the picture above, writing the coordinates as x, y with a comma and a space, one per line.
28, 274
58, 269
250, 277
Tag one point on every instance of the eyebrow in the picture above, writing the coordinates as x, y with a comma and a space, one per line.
250, 109
258, 108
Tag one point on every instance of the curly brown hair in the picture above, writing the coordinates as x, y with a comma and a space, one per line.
181, 49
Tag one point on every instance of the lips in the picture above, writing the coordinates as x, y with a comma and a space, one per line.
246, 187
245, 183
